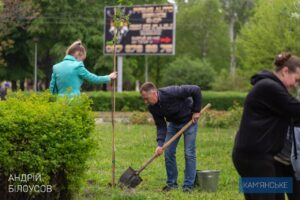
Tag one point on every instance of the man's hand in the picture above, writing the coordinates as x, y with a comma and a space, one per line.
195, 117
159, 150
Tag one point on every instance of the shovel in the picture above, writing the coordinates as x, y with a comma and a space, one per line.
130, 178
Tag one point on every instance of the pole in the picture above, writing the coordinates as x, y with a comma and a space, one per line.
113, 117
120, 74
146, 69
35, 67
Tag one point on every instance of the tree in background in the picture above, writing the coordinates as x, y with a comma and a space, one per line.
185, 70
273, 28
236, 14
15, 18
15, 14
202, 32
60, 24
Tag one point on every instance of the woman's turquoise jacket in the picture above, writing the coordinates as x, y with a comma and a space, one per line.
68, 76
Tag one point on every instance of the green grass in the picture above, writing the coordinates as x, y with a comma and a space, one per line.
135, 144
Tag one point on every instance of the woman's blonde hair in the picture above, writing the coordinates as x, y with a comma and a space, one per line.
76, 46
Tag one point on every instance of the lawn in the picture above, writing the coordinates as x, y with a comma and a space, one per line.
135, 144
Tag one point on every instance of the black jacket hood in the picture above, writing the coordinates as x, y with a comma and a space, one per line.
268, 109
263, 75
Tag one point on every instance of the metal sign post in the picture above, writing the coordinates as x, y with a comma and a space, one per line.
120, 74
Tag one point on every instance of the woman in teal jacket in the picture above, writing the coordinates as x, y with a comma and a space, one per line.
68, 75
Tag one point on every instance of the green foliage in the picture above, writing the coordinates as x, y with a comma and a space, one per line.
215, 119
63, 22
223, 100
125, 2
132, 101
15, 17
119, 19
125, 101
227, 82
21, 68
4, 46
140, 118
240, 10
47, 136
189, 71
16, 14
273, 28
202, 32
223, 119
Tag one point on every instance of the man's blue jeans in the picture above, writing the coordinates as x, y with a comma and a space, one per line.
189, 155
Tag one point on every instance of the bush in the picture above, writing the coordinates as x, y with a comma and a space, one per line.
141, 118
223, 100
132, 101
226, 82
214, 119
189, 71
223, 119
125, 101
44, 135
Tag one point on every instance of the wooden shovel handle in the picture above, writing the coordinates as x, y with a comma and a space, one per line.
169, 142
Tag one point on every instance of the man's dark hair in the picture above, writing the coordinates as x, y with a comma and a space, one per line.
147, 87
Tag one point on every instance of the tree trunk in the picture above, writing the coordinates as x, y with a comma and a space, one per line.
22, 85
14, 86
205, 45
104, 87
47, 68
232, 44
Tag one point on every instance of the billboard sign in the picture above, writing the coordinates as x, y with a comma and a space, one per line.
151, 31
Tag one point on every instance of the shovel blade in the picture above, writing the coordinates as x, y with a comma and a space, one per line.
130, 179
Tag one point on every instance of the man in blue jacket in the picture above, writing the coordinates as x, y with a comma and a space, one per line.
175, 105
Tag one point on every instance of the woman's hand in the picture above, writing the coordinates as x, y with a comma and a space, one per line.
113, 75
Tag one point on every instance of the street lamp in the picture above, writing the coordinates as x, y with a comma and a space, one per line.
35, 39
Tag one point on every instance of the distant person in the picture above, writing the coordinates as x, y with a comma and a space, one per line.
68, 75
288, 162
3, 90
268, 110
295, 153
176, 105
289, 155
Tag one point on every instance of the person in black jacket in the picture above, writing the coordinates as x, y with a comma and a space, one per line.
176, 105
268, 109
